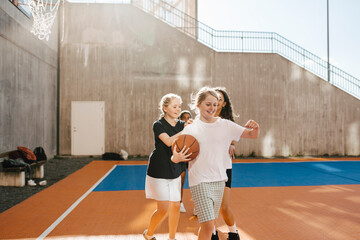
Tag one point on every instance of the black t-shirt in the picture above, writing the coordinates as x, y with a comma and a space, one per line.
160, 164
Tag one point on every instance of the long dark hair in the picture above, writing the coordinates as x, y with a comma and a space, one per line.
227, 111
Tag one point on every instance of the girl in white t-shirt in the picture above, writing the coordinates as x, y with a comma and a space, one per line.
207, 173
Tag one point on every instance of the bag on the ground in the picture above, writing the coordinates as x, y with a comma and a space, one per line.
18, 162
112, 156
40, 154
11, 163
27, 155
15, 154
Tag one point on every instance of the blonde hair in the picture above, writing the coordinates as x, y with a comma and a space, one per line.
200, 97
165, 101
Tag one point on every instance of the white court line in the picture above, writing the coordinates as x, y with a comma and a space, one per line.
72, 207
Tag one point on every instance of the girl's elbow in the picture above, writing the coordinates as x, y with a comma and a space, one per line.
168, 143
254, 134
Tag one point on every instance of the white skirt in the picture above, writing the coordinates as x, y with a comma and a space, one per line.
163, 189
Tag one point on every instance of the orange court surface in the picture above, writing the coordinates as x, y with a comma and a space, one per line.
95, 203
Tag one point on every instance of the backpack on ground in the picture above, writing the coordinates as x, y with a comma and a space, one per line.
40, 154
112, 156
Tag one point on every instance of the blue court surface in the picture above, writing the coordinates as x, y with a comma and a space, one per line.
277, 174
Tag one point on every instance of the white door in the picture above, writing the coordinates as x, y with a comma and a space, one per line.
87, 127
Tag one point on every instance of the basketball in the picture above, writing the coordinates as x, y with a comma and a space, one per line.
190, 142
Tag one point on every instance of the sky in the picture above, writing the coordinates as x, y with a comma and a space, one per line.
303, 22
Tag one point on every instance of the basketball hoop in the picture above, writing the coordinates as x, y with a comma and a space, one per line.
43, 13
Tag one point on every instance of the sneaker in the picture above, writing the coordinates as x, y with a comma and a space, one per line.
43, 183
182, 208
233, 236
195, 214
31, 183
215, 236
146, 236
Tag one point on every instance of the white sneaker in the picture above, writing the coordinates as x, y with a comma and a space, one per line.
146, 236
43, 183
182, 208
31, 182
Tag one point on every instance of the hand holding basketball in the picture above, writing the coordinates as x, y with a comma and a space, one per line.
186, 145
180, 155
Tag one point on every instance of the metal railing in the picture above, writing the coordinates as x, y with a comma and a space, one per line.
244, 41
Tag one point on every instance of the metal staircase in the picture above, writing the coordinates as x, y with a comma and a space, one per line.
245, 41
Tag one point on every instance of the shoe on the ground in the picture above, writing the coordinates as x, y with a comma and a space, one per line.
233, 236
146, 236
195, 214
215, 236
43, 183
31, 183
182, 208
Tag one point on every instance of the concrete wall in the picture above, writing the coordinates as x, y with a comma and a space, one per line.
127, 58
119, 55
28, 83
299, 113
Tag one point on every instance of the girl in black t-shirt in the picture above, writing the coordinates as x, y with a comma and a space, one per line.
163, 180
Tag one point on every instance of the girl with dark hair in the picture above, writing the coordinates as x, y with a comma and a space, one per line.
225, 111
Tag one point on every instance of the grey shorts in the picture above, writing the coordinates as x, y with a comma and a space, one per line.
207, 199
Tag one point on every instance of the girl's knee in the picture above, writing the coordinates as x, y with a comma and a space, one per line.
174, 204
162, 211
162, 207
208, 226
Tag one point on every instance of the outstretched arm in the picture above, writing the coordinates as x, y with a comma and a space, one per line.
252, 130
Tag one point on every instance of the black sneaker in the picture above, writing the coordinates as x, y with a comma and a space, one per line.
215, 236
233, 236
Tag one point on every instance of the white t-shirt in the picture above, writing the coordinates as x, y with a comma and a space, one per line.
214, 141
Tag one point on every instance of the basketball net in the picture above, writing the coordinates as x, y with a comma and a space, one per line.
43, 13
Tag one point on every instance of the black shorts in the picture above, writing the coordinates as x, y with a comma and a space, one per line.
228, 182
